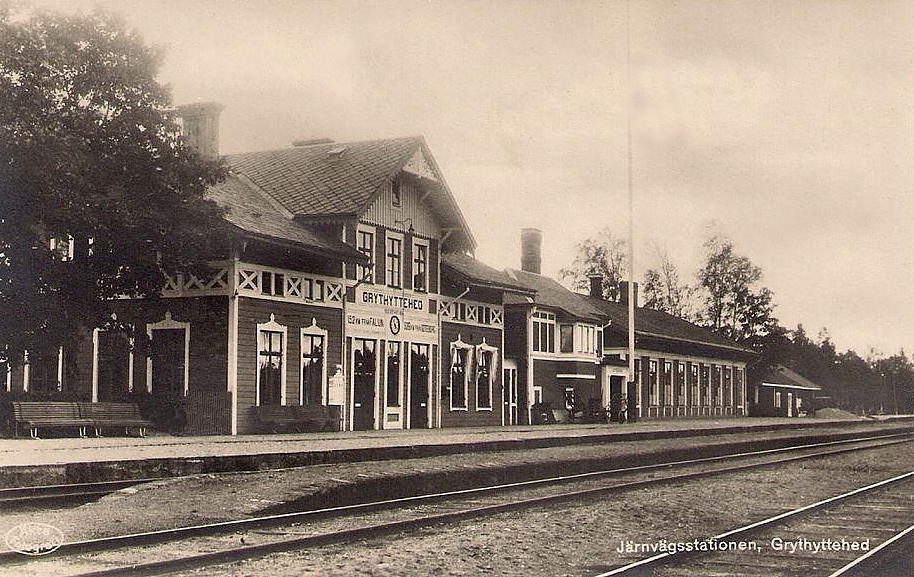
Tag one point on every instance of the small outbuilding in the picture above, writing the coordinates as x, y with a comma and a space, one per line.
783, 393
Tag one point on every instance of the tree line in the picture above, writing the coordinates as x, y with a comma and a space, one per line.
727, 297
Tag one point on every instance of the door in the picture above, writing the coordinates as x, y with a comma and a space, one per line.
363, 384
113, 366
509, 392
616, 386
168, 378
418, 386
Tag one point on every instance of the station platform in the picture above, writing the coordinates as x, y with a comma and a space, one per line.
31, 462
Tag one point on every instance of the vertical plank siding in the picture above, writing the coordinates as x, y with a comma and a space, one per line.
294, 317
471, 417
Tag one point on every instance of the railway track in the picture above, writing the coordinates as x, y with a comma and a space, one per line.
74, 492
844, 535
218, 543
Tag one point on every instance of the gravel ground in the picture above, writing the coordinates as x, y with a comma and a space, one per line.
581, 539
552, 540
211, 498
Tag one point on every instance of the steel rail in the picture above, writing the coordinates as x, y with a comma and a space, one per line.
637, 567
856, 564
375, 530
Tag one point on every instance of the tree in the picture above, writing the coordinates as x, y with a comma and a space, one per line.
663, 290
734, 304
604, 255
91, 162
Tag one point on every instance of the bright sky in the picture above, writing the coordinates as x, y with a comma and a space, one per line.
790, 125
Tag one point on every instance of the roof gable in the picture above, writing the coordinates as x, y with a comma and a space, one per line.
343, 179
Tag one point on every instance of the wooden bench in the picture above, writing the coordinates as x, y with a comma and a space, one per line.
297, 418
33, 415
125, 415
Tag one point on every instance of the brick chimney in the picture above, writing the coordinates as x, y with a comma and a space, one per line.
623, 292
201, 127
531, 243
596, 285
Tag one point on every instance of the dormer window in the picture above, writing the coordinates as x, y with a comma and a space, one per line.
395, 193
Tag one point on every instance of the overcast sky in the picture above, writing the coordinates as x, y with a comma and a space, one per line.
788, 125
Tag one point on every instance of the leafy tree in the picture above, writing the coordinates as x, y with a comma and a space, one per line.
91, 160
605, 255
733, 303
663, 290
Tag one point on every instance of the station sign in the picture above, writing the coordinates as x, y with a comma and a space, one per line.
392, 315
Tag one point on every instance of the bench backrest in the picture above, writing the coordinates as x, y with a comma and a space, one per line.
110, 410
25, 410
267, 412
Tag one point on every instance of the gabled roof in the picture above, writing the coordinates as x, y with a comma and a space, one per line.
469, 270
250, 211
551, 294
659, 324
781, 376
342, 179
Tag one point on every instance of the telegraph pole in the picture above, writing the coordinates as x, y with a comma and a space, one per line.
631, 218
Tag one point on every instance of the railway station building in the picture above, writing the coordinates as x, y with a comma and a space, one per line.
783, 393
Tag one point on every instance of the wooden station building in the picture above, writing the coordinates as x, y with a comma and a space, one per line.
332, 294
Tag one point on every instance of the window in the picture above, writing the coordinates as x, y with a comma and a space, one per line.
706, 384
566, 338
394, 267
312, 368
272, 283
460, 356
45, 371
537, 394
667, 383
395, 193
777, 399
420, 267
738, 381
484, 357
599, 339
63, 247
393, 374
680, 382
693, 383
543, 332
715, 385
365, 245
270, 348
167, 365
459, 311
728, 385
652, 376
5, 372
638, 371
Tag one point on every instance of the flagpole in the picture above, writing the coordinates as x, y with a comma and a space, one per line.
631, 219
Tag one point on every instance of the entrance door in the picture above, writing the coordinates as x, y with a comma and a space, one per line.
363, 384
168, 378
509, 392
616, 392
418, 386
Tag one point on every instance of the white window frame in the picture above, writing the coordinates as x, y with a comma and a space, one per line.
272, 326
416, 243
311, 331
372, 266
777, 399
485, 347
468, 366
682, 398
537, 394
130, 355
388, 236
71, 247
165, 324
544, 318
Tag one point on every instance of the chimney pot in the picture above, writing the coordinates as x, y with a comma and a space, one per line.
201, 127
531, 243
596, 285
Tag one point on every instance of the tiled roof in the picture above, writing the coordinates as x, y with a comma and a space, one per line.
550, 293
250, 211
650, 322
467, 267
311, 180
781, 375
